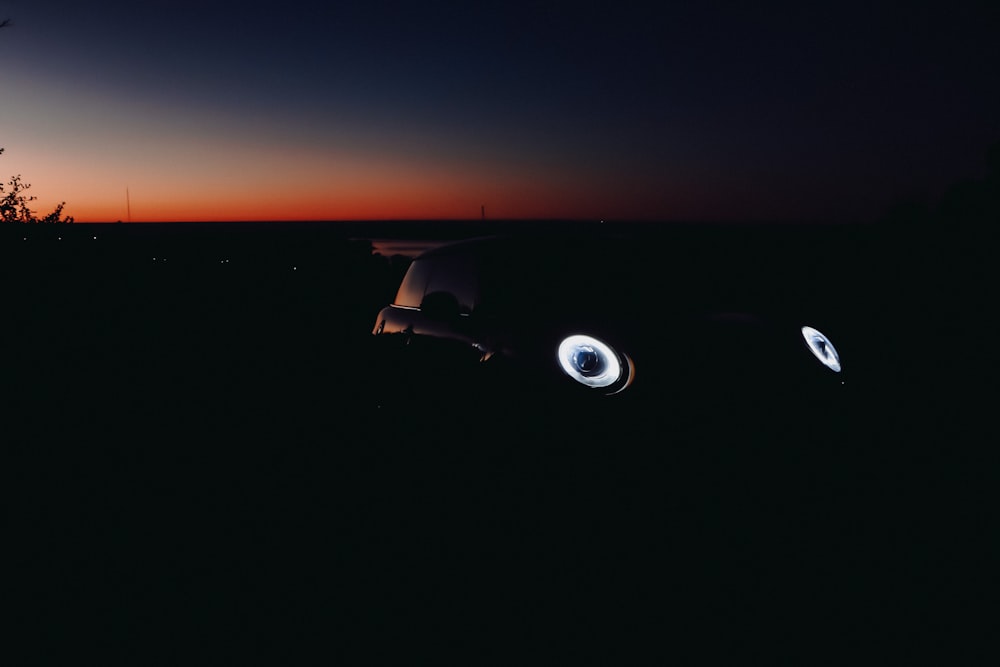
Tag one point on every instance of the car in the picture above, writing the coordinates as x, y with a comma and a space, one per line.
609, 318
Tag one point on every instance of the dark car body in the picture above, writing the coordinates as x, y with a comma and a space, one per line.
686, 326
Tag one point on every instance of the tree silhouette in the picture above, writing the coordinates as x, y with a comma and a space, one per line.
14, 203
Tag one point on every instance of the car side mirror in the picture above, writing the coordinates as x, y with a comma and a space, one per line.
441, 306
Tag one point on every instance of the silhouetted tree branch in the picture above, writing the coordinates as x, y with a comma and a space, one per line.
14, 204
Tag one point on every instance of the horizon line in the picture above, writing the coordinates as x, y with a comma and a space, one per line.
487, 221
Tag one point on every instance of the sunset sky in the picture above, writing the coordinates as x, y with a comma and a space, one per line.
301, 110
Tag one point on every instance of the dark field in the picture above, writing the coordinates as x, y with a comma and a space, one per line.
203, 461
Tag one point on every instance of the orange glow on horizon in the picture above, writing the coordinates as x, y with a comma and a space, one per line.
175, 177
416, 201
309, 187
228, 181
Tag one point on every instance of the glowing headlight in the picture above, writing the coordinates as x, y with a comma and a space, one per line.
821, 346
589, 361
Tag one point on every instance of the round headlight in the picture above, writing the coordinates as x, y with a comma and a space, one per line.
822, 348
589, 361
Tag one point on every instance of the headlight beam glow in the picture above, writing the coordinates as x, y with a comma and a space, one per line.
822, 348
589, 361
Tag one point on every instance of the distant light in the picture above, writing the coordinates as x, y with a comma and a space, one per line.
295, 268
95, 238
59, 238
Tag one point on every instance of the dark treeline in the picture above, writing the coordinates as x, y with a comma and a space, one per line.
935, 270
163, 311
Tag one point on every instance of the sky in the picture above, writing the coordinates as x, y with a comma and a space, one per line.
302, 110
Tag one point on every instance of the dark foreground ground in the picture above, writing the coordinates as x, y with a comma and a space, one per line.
199, 466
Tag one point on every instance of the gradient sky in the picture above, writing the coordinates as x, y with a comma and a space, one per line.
245, 110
